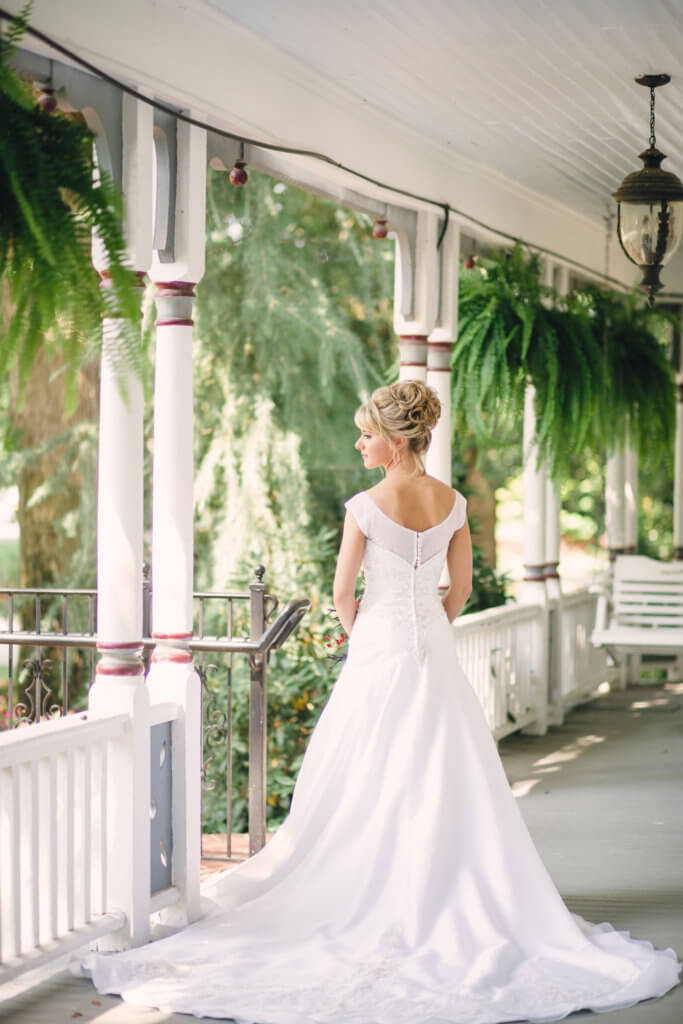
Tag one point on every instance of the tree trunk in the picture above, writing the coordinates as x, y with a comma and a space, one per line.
46, 551
481, 505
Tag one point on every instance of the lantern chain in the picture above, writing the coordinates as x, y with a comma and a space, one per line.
652, 117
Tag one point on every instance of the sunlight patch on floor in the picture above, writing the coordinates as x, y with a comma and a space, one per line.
570, 751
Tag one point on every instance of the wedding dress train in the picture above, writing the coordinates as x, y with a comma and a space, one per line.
404, 887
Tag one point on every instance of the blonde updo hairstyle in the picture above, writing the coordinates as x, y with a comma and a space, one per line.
407, 408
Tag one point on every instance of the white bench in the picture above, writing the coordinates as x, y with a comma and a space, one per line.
644, 610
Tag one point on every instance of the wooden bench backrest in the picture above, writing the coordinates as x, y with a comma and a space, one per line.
647, 592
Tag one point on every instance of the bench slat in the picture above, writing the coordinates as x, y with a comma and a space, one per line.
647, 601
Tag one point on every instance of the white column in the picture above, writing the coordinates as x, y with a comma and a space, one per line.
533, 589
172, 676
172, 552
552, 539
556, 276
614, 504
415, 290
413, 357
439, 347
119, 684
535, 483
678, 472
630, 498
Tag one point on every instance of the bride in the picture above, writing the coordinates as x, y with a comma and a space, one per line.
404, 887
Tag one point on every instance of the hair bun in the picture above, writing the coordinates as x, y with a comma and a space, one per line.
419, 403
407, 408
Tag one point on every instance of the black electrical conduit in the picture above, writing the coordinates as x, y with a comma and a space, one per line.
292, 151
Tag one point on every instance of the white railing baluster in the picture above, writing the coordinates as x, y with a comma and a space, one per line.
104, 818
69, 819
53, 860
87, 833
5, 829
15, 872
35, 853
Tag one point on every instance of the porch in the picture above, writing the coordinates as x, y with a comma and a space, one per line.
601, 795
531, 664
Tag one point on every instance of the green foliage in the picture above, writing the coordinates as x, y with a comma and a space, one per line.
77, 448
489, 588
595, 360
295, 308
50, 204
9, 561
640, 397
300, 679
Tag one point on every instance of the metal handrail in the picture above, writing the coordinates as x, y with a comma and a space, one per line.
217, 722
271, 638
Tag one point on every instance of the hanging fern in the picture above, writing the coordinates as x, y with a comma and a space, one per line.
641, 392
50, 204
594, 360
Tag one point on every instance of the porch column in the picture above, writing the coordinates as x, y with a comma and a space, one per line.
630, 498
533, 589
413, 357
535, 486
119, 684
678, 472
172, 676
614, 504
557, 276
415, 287
552, 539
439, 348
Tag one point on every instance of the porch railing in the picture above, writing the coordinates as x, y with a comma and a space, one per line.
495, 653
54, 854
40, 687
582, 667
498, 649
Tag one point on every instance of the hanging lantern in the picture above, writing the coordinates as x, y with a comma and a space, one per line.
650, 207
380, 229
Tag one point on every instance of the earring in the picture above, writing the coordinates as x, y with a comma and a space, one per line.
395, 458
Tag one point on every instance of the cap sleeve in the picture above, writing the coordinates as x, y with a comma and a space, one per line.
357, 504
460, 510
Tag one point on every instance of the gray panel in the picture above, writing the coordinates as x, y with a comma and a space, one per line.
161, 808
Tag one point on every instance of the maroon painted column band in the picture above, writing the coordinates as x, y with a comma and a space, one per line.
408, 343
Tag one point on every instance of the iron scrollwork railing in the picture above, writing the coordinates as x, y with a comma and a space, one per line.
34, 694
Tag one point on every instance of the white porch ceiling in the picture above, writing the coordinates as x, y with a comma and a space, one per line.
522, 114
541, 91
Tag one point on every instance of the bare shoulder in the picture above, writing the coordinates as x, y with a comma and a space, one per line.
438, 488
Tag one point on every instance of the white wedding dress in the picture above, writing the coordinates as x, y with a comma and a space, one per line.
404, 887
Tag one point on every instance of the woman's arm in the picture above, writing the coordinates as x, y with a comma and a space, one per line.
348, 565
459, 562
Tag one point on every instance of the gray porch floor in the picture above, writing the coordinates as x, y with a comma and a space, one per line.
603, 798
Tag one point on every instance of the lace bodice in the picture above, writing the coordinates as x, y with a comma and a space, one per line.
402, 571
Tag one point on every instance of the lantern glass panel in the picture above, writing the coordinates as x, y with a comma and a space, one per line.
639, 227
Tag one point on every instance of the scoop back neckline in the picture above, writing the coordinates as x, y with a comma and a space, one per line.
407, 528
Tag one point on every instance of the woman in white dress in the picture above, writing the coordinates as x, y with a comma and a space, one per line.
404, 885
